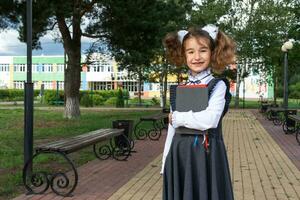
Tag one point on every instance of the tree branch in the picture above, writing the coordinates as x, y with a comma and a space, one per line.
88, 7
52, 27
66, 36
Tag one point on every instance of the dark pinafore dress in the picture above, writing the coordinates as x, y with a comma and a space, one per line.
192, 172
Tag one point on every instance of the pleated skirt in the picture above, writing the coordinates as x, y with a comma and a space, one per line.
191, 173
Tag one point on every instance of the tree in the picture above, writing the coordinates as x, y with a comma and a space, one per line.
135, 29
8, 16
67, 18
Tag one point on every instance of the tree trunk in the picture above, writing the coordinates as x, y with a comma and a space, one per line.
165, 88
140, 86
237, 88
239, 79
72, 46
161, 90
72, 86
275, 85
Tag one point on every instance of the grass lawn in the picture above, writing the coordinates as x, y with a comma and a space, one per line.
48, 126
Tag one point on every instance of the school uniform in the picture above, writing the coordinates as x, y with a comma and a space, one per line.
190, 170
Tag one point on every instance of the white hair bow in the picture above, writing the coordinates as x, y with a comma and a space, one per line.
181, 35
212, 30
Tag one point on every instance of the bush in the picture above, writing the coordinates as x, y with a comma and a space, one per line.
111, 101
86, 100
14, 94
98, 100
294, 91
51, 95
155, 101
120, 99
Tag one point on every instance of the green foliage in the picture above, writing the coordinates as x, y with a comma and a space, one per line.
98, 100
155, 101
112, 101
86, 100
14, 94
294, 91
120, 99
50, 96
126, 94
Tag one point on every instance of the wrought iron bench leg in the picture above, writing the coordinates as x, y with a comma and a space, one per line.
140, 133
40, 181
154, 134
103, 152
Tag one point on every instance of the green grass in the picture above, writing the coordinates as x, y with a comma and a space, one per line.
48, 126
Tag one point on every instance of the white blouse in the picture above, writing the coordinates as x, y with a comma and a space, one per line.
203, 120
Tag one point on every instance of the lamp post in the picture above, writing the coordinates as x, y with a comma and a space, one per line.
288, 45
28, 102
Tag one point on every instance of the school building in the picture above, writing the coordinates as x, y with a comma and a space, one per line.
101, 74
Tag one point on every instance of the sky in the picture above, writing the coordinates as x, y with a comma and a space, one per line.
11, 46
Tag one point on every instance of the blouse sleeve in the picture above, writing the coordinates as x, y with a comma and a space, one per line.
205, 119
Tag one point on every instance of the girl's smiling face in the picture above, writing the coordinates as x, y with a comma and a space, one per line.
197, 54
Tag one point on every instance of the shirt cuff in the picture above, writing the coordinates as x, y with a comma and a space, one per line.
178, 118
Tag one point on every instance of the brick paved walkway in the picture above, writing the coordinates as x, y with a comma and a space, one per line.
287, 142
260, 169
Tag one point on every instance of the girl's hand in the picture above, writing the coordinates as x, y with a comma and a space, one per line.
170, 118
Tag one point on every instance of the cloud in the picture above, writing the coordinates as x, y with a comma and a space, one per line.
11, 46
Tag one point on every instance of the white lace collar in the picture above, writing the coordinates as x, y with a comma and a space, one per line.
201, 76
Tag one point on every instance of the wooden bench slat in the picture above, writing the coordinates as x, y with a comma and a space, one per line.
75, 146
74, 143
76, 138
68, 140
295, 117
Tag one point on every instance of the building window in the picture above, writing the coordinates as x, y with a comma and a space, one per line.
132, 86
18, 84
48, 85
4, 67
34, 68
102, 85
60, 85
60, 68
20, 68
48, 68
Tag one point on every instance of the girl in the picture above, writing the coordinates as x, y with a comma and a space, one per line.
195, 167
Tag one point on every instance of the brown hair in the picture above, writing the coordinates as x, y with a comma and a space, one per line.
223, 48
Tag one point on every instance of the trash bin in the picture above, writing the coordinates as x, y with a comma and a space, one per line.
127, 125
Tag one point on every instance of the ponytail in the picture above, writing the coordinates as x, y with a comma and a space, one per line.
173, 49
223, 53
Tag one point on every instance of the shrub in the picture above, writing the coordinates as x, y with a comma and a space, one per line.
111, 101
86, 100
155, 101
51, 95
98, 100
120, 99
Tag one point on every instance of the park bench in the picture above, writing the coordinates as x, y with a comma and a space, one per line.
264, 106
279, 115
296, 128
64, 183
57, 102
158, 121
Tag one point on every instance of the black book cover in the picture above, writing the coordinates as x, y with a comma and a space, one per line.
184, 98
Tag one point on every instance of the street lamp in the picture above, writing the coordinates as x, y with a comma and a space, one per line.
288, 45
